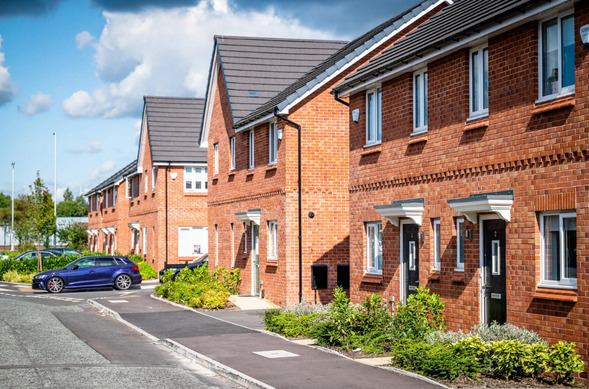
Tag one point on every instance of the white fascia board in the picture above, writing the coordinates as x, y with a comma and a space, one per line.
210, 99
394, 213
485, 34
143, 139
286, 109
180, 164
254, 123
135, 226
471, 209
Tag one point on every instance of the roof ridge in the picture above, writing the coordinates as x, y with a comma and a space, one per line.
261, 38
172, 97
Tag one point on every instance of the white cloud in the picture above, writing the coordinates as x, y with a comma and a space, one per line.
7, 90
92, 148
83, 38
106, 167
37, 103
167, 52
137, 131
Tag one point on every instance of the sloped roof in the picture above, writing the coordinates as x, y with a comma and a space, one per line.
453, 24
174, 125
118, 176
256, 69
337, 61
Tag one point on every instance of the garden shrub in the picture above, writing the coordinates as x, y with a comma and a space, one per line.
509, 358
290, 324
199, 288
147, 271
496, 332
563, 362
13, 276
422, 314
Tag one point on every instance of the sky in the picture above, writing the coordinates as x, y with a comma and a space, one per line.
80, 69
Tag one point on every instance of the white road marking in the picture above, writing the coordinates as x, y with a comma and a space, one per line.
69, 299
276, 354
117, 301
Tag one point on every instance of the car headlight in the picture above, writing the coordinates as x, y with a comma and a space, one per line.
38, 277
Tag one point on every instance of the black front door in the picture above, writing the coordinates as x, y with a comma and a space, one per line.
411, 257
494, 285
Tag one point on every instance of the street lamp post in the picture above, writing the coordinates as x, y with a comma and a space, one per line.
12, 212
55, 187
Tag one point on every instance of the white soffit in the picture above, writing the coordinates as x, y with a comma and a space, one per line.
134, 226
111, 229
251, 215
104, 230
411, 209
495, 202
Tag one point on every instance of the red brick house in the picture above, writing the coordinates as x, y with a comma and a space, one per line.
468, 167
259, 91
161, 198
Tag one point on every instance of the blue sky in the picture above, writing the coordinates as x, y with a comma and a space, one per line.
81, 67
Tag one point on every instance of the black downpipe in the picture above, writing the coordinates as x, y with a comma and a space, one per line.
167, 171
298, 127
337, 98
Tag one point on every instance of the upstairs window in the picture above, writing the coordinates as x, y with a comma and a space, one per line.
153, 178
559, 249
146, 182
272, 240
437, 245
273, 143
374, 116
479, 82
557, 56
251, 150
98, 202
216, 158
460, 235
374, 248
114, 196
420, 101
232, 145
195, 179
106, 198
130, 188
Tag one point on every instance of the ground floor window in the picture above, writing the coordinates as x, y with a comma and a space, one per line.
192, 241
374, 248
460, 235
272, 240
559, 248
437, 245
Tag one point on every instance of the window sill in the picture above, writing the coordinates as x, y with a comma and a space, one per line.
458, 277
195, 194
476, 124
474, 118
372, 278
372, 150
418, 138
435, 275
418, 131
272, 263
271, 167
554, 104
567, 295
369, 145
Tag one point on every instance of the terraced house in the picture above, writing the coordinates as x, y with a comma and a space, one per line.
159, 201
269, 112
468, 166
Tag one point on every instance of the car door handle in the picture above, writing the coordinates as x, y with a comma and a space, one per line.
91, 271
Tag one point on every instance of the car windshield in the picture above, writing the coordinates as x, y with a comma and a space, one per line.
74, 262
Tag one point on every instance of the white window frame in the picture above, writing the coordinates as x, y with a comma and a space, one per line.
98, 202
144, 249
420, 114
273, 240
195, 177
562, 91
251, 138
216, 245
479, 82
193, 232
138, 186
232, 150
232, 245
373, 246
437, 235
245, 237
106, 198
273, 143
153, 178
114, 196
460, 234
374, 117
564, 283
216, 148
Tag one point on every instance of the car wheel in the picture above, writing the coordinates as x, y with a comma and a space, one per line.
55, 285
123, 282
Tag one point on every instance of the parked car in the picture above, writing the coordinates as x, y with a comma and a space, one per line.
4, 255
88, 272
32, 254
191, 265
63, 251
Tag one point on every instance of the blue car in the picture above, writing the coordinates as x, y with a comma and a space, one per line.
89, 272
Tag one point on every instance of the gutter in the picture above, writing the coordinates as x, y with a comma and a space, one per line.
298, 127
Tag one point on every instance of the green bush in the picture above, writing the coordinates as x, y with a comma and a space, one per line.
488, 333
290, 324
563, 362
509, 358
13, 276
146, 271
199, 288
422, 314
439, 360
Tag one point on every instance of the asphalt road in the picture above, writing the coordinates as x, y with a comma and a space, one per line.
49, 341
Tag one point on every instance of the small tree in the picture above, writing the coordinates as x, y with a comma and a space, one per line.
74, 235
41, 213
70, 207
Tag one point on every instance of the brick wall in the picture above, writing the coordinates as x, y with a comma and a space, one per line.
542, 156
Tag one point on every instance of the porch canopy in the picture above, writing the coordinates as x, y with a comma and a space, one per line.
409, 208
494, 202
134, 226
108, 230
92, 232
250, 216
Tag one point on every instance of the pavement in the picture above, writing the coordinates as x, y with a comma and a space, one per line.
233, 343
